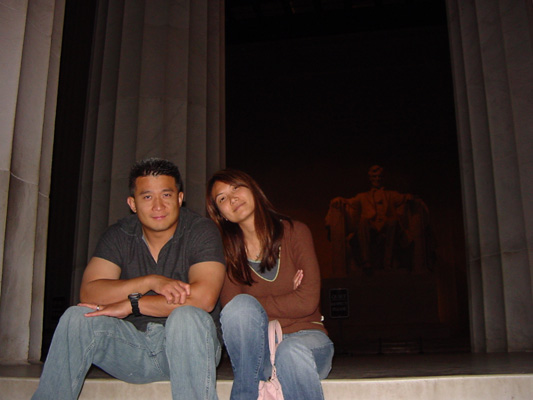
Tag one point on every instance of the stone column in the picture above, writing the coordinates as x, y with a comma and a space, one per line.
30, 41
157, 89
492, 61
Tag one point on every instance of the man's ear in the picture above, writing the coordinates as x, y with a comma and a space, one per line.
180, 198
131, 203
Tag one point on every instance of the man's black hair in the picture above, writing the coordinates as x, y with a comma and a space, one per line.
154, 167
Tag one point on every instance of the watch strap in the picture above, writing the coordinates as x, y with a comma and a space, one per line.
134, 300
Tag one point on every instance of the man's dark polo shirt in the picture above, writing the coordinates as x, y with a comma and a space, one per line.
196, 240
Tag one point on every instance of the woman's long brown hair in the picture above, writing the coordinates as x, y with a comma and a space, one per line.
268, 227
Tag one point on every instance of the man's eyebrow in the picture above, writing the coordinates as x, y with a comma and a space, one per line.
170, 189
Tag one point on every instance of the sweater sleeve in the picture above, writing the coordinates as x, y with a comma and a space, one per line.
304, 301
229, 291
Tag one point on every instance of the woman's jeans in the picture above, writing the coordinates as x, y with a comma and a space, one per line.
186, 351
302, 359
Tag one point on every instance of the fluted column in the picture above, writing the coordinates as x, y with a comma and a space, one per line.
157, 89
492, 61
30, 42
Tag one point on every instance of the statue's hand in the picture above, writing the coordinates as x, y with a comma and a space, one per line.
337, 202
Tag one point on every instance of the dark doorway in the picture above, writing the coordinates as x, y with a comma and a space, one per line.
317, 92
69, 128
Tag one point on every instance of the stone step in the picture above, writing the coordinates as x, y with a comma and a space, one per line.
461, 376
479, 387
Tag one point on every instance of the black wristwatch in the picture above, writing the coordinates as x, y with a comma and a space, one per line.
134, 300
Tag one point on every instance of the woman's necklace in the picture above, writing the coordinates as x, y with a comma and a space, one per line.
257, 256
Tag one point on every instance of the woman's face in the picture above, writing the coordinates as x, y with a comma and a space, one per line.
235, 203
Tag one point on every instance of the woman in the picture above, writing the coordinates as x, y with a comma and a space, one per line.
272, 273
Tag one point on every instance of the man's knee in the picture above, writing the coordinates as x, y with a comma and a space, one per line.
75, 322
74, 316
76, 311
191, 331
188, 319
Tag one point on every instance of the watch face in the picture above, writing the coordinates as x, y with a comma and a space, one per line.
134, 300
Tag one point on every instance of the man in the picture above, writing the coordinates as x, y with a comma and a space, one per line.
146, 297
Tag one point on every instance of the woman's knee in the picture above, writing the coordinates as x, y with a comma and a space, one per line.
290, 352
297, 354
241, 306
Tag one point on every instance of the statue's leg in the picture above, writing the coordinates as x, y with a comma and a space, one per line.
389, 230
365, 242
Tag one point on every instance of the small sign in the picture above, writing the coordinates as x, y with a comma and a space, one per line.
339, 304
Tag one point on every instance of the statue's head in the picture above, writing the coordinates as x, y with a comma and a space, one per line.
375, 174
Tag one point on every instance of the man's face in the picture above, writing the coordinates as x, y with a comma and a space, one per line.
157, 203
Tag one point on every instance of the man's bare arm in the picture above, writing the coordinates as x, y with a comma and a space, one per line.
101, 285
206, 280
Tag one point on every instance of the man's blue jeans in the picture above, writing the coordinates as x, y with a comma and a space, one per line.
186, 351
302, 359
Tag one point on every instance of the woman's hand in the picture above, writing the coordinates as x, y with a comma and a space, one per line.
297, 280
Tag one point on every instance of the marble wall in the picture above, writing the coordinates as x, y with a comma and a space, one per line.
30, 39
492, 63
